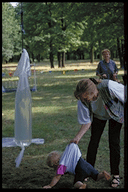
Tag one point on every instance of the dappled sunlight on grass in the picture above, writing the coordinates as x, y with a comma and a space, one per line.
69, 65
49, 109
37, 98
75, 76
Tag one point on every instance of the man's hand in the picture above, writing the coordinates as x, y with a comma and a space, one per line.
115, 76
104, 76
47, 187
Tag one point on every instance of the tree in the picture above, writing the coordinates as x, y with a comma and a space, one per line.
53, 29
104, 25
10, 32
69, 31
52, 26
39, 26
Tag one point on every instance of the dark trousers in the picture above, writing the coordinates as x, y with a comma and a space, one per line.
114, 143
83, 170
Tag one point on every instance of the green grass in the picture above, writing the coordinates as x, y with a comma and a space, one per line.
54, 118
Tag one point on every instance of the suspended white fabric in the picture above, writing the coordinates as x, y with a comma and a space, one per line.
23, 110
23, 65
23, 113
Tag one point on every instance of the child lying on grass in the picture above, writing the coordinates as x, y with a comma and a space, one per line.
72, 162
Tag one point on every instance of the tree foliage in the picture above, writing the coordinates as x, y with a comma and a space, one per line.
10, 33
53, 29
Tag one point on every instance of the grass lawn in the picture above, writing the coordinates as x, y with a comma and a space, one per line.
54, 118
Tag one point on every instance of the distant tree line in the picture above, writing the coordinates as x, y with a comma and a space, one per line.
55, 30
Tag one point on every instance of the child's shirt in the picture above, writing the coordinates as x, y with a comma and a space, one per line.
69, 159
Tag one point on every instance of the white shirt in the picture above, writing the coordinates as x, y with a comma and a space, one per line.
70, 157
116, 90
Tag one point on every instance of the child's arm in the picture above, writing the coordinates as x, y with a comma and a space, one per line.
53, 182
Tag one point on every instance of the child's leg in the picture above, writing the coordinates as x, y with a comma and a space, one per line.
80, 185
84, 170
102, 175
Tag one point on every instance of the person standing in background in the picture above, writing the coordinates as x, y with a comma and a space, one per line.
107, 68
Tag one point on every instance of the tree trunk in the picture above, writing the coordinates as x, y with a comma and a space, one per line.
92, 54
95, 54
63, 26
38, 57
51, 60
59, 59
123, 52
83, 55
33, 57
63, 59
68, 55
51, 55
116, 54
111, 54
119, 51
100, 54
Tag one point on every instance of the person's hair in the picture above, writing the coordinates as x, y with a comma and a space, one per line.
54, 155
105, 50
85, 86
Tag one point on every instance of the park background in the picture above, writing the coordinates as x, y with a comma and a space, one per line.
65, 41
62, 31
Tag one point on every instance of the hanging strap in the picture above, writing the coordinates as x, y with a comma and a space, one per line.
94, 81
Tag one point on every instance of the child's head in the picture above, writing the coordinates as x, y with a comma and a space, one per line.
53, 159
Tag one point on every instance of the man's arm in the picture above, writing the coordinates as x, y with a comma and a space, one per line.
53, 182
82, 131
